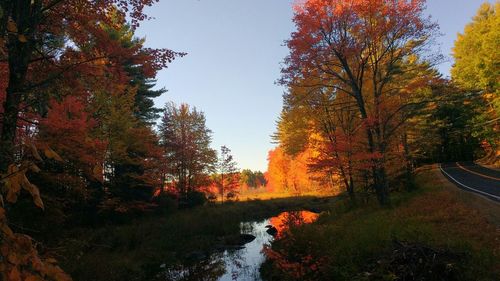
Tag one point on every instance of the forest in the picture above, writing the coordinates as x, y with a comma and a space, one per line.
95, 177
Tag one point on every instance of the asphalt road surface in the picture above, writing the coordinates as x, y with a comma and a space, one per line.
475, 178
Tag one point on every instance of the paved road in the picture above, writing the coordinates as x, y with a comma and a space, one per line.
472, 177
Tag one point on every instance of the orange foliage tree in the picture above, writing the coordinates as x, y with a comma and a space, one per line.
292, 174
356, 50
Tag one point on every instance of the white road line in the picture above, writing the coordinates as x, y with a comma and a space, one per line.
468, 187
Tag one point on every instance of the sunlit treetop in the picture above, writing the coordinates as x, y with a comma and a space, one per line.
367, 31
476, 51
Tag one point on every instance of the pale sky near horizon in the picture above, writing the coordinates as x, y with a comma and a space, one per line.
235, 48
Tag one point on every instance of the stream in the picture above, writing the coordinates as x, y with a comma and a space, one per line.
241, 262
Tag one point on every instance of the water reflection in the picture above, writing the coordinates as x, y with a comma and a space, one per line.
286, 220
240, 264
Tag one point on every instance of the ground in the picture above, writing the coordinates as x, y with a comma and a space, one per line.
437, 232
364, 242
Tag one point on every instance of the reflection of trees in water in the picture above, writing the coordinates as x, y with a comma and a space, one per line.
238, 266
247, 227
288, 254
235, 264
214, 268
287, 220
205, 270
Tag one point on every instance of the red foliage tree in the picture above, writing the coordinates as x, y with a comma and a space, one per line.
357, 48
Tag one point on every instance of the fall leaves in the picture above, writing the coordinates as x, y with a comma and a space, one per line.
351, 76
20, 258
15, 179
60, 62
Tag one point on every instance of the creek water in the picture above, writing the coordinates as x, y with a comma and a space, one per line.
241, 263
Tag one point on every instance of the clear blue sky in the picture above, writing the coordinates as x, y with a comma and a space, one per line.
234, 52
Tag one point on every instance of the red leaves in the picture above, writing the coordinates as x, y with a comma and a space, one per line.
68, 130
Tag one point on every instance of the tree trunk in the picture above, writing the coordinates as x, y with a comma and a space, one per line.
18, 66
19, 56
378, 170
222, 188
408, 164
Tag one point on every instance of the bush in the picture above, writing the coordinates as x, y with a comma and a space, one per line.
166, 202
195, 198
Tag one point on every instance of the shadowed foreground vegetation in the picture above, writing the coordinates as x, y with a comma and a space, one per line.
434, 232
431, 233
135, 249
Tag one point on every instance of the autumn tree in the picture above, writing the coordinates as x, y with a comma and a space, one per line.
185, 140
227, 172
357, 48
292, 175
476, 69
126, 113
56, 57
42, 40
103, 106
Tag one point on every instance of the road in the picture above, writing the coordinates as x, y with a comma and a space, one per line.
475, 178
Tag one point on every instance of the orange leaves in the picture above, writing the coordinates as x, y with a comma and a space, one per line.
34, 152
97, 173
14, 275
16, 179
290, 174
68, 129
51, 154
11, 26
21, 260
22, 38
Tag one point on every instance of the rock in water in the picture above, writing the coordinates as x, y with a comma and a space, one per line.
238, 240
246, 238
272, 231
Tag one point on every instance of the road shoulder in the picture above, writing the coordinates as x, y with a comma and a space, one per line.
489, 208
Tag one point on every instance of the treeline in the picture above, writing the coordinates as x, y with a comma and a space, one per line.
365, 104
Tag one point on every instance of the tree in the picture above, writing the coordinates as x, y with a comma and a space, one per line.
102, 108
292, 174
126, 116
356, 49
476, 69
185, 141
226, 173
56, 57
251, 179
443, 130
42, 41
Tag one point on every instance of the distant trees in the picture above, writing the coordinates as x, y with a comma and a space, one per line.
291, 173
185, 141
251, 179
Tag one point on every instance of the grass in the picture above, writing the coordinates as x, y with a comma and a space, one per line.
135, 250
353, 243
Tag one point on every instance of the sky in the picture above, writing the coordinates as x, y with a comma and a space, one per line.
235, 48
